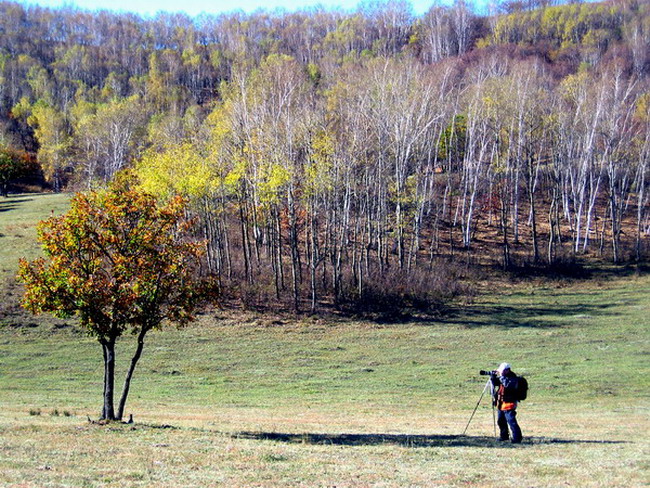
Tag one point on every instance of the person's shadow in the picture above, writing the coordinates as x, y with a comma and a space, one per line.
404, 440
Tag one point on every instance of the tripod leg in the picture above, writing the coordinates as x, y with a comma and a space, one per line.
477, 404
494, 418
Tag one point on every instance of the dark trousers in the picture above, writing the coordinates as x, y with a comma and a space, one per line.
508, 418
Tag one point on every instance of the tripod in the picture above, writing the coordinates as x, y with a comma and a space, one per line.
489, 385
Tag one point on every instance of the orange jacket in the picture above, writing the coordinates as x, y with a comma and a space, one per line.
501, 404
504, 390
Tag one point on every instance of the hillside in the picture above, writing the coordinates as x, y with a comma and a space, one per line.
329, 156
246, 399
390, 203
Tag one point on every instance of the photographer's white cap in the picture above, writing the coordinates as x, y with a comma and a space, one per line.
502, 367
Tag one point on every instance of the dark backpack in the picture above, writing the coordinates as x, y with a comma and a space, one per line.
521, 392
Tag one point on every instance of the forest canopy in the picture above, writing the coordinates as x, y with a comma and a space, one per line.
328, 154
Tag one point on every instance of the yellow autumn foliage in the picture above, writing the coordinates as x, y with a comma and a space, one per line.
179, 170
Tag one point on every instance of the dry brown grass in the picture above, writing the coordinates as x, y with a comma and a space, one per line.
565, 448
358, 404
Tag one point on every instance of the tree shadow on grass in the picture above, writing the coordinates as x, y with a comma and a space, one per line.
5, 207
10, 203
548, 316
404, 440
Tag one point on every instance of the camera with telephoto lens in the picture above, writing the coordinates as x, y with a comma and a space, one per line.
487, 373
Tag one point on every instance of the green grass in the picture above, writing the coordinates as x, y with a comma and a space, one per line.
357, 403
18, 217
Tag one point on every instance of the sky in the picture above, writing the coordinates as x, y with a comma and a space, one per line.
195, 7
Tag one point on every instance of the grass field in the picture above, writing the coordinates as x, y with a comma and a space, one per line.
239, 399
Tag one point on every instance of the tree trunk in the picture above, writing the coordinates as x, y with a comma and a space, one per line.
295, 259
639, 216
244, 243
553, 222
129, 374
615, 233
108, 346
313, 264
504, 229
533, 222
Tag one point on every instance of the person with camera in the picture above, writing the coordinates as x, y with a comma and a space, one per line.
505, 390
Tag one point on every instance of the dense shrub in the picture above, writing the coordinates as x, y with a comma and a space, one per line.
394, 293
398, 293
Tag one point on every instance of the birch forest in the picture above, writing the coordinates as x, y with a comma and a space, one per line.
365, 160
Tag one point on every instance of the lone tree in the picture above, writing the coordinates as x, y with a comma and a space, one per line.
121, 263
